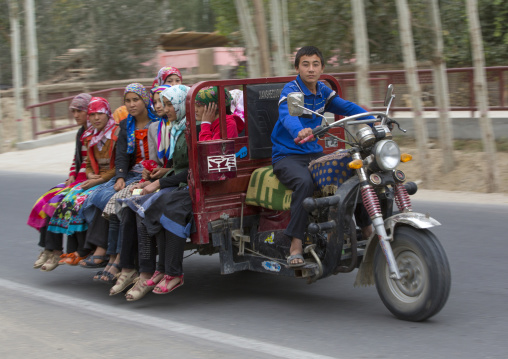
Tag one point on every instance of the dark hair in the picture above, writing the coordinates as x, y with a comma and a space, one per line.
308, 51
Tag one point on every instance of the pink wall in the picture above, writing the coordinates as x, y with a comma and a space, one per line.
188, 59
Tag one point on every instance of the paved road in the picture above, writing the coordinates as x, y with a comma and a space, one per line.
248, 315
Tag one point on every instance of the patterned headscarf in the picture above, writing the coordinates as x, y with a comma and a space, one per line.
210, 95
237, 103
141, 91
168, 133
165, 72
154, 91
99, 138
80, 102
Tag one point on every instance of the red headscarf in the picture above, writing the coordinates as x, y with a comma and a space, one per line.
165, 72
99, 105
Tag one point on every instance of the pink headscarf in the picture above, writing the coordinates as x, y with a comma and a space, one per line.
165, 72
99, 138
80, 102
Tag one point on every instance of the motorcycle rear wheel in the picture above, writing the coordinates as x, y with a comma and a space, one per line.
424, 289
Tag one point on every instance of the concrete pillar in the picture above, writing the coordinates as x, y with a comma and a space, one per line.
206, 61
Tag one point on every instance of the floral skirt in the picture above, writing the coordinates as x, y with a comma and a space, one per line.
37, 217
46, 205
68, 217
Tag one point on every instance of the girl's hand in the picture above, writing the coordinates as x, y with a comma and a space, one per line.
146, 174
119, 184
140, 185
70, 180
86, 184
209, 114
91, 183
152, 187
159, 172
93, 176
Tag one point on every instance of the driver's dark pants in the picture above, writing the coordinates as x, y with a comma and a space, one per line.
292, 171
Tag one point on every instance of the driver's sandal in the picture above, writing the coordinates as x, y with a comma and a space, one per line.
293, 257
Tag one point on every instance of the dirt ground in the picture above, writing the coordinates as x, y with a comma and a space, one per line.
9, 125
469, 174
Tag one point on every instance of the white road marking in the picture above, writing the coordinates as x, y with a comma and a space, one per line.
164, 324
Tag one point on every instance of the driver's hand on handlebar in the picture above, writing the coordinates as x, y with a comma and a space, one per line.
306, 132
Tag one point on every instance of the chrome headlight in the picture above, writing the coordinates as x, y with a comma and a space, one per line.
387, 154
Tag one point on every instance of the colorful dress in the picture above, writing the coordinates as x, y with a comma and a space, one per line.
45, 206
68, 217
132, 149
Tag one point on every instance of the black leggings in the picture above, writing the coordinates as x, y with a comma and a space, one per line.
76, 243
175, 246
148, 246
54, 241
98, 230
129, 237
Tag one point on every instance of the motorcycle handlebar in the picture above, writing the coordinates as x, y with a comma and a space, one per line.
342, 122
299, 141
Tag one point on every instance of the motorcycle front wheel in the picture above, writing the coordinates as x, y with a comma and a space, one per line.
425, 286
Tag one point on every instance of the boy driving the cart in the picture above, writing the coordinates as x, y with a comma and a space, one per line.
290, 160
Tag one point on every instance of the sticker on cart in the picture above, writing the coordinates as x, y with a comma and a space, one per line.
271, 266
269, 239
224, 163
242, 153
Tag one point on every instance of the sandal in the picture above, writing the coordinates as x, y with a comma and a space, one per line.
42, 258
51, 263
151, 282
292, 258
162, 287
140, 289
98, 275
124, 280
89, 262
71, 259
110, 277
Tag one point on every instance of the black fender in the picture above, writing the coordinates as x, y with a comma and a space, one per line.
345, 197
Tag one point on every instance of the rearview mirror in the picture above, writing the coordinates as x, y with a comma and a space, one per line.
295, 103
389, 95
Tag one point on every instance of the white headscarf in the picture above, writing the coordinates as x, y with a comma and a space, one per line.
168, 133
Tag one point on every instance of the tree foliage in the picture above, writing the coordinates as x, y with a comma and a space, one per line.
120, 35
192, 15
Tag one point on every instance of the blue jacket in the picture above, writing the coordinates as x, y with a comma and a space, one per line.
287, 127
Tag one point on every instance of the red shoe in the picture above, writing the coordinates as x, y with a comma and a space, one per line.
151, 282
71, 259
162, 287
63, 256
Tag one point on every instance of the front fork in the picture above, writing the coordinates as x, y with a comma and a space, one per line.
371, 203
